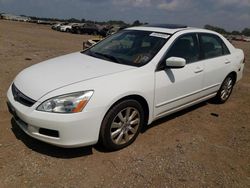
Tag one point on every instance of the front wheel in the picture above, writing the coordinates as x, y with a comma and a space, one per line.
225, 89
122, 125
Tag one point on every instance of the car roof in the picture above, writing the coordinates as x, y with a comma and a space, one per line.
168, 28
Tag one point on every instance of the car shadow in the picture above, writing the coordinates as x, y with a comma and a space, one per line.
173, 116
47, 149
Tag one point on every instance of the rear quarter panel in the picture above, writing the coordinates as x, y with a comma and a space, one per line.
238, 62
236, 58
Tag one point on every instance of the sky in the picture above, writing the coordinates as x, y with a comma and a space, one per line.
229, 14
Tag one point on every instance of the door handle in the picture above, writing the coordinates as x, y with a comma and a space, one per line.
198, 69
227, 62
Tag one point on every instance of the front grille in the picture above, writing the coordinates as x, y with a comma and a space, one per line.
21, 98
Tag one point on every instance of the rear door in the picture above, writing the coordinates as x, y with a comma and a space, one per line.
177, 87
216, 59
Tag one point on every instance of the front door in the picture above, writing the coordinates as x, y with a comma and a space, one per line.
177, 87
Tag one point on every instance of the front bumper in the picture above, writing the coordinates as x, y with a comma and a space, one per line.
64, 130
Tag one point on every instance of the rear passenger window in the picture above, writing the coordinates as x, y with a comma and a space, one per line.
185, 47
212, 46
225, 49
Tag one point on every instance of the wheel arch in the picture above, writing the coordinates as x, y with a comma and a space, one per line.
218, 98
234, 74
137, 98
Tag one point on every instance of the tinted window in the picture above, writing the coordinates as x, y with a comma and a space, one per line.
225, 49
185, 47
212, 46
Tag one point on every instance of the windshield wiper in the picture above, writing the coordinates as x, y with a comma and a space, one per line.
110, 57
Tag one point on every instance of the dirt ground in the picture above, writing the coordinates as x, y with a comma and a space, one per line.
207, 145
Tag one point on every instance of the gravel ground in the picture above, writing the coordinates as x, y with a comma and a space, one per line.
207, 145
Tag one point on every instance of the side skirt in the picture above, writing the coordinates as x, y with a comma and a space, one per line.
178, 108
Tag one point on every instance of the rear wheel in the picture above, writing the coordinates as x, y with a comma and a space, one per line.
122, 125
225, 89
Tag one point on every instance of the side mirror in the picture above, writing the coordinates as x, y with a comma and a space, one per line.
175, 62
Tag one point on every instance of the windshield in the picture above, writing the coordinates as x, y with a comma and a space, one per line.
129, 47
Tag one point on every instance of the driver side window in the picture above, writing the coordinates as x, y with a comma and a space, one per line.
185, 47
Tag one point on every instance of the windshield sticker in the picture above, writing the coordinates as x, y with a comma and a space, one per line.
160, 35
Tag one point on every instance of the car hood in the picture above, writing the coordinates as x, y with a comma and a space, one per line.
40, 79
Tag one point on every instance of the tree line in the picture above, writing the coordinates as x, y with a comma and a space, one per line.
245, 31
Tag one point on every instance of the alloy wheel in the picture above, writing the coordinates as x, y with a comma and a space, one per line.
226, 88
125, 125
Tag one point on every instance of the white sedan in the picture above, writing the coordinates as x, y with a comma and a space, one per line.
109, 91
67, 27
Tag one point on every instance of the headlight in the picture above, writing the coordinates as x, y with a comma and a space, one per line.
69, 103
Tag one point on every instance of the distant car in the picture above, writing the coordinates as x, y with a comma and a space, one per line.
76, 29
108, 92
241, 38
246, 39
67, 27
90, 29
103, 31
44, 22
56, 26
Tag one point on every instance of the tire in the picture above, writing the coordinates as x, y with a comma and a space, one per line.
225, 90
121, 125
67, 30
